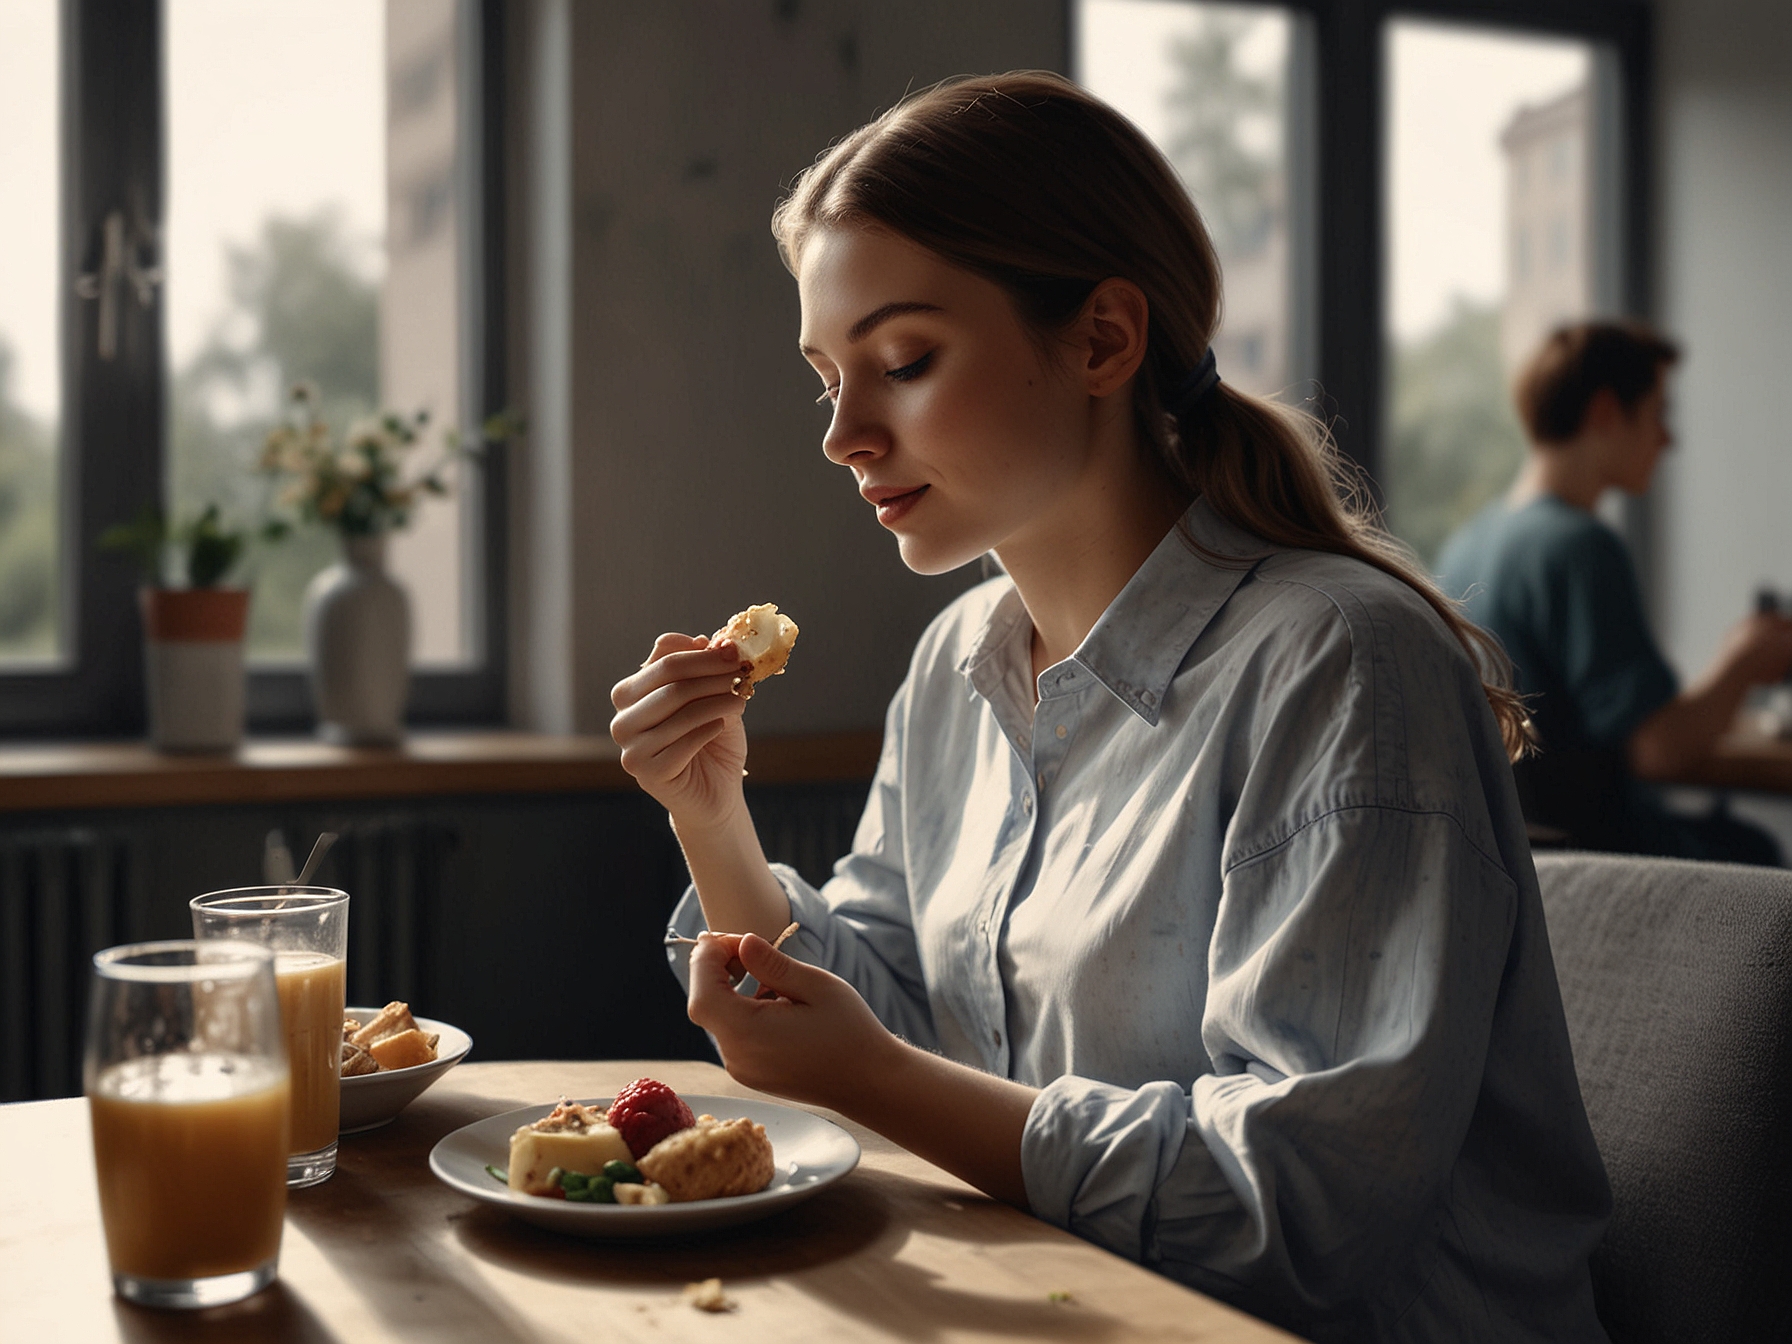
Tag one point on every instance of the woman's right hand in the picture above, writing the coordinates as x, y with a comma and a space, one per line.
678, 723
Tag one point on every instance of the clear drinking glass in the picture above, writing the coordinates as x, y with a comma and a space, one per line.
306, 928
187, 1087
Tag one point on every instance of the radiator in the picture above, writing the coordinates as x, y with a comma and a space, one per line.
64, 894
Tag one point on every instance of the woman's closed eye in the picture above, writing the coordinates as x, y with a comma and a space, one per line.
909, 372
906, 374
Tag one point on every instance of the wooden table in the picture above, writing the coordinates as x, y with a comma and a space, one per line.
898, 1250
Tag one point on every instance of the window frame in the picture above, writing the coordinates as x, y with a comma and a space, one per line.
1348, 248
113, 427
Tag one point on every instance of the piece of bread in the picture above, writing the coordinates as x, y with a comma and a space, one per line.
356, 1061
764, 637
392, 1019
713, 1159
405, 1050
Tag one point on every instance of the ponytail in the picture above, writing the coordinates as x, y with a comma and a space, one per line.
1276, 472
1043, 189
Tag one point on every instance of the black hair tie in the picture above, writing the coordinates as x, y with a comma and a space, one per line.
1194, 385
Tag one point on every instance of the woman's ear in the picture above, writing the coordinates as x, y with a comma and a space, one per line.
1110, 335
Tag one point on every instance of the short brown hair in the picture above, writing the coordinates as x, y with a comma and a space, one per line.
1556, 388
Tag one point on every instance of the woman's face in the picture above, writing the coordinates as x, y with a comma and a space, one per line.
962, 433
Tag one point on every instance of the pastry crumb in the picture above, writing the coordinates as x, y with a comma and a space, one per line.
1059, 1295
708, 1296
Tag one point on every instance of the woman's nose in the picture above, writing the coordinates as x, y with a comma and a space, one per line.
852, 435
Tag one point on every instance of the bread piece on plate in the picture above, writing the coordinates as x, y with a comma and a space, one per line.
392, 1019
405, 1050
713, 1159
764, 637
356, 1061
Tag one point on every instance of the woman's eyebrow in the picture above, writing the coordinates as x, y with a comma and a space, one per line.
876, 318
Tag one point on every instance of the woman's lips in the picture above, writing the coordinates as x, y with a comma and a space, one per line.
892, 508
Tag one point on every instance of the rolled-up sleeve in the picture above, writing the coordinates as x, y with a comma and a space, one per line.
860, 925
1354, 970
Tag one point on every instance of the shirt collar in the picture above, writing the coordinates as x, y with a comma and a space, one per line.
1143, 636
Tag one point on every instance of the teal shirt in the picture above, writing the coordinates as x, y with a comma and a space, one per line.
1557, 587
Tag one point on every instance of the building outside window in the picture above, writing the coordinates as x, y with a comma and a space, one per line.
1221, 89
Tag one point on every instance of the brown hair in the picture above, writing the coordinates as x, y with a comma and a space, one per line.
1033, 183
1557, 385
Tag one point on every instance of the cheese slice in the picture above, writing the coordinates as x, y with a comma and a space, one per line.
534, 1154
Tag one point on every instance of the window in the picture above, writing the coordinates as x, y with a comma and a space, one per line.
1219, 88
31, 632
330, 215
1484, 130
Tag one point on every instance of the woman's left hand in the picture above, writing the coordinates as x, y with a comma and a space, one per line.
808, 1036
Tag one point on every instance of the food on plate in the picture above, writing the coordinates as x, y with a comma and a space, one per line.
647, 1111
764, 637
713, 1159
569, 1140
390, 1040
577, 1153
389, 1021
405, 1050
356, 1061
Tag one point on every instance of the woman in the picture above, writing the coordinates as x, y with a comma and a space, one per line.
1191, 908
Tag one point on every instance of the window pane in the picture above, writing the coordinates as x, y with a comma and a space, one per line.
314, 234
1492, 242
30, 370
1214, 87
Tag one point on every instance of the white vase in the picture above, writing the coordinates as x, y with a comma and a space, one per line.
358, 643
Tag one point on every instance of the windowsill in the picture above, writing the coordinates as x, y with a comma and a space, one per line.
56, 777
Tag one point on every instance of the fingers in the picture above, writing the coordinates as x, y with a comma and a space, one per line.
776, 971
653, 751
675, 658
713, 1004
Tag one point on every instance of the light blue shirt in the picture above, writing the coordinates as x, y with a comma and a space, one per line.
1248, 895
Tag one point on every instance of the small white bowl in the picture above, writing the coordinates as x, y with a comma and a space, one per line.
375, 1099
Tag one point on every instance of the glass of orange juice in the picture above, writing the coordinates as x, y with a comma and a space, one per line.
187, 1089
306, 928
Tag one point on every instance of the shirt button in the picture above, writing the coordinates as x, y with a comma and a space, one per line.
1063, 732
1147, 698
998, 1037
1026, 802
1042, 780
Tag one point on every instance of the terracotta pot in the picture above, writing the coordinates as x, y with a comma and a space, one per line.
193, 665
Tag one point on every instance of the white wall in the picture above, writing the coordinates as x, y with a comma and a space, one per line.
674, 473
1723, 501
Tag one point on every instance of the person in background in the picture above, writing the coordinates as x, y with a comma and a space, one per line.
1556, 585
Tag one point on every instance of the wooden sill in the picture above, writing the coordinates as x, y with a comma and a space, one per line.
56, 777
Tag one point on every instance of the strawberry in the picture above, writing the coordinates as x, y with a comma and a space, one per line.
645, 1112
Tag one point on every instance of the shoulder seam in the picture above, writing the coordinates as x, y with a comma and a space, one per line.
1268, 849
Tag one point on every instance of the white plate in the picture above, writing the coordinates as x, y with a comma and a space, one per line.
375, 1099
808, 1154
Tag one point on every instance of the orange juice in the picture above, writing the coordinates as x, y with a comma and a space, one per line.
190, 1152
312, 997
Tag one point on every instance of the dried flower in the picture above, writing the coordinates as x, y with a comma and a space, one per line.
358, 482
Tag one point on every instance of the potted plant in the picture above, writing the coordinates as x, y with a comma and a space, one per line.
364, 484
193, 634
